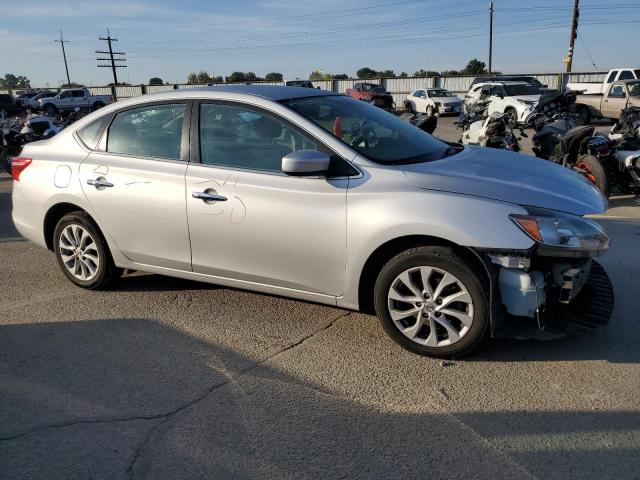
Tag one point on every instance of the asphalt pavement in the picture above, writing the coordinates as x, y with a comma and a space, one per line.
164, 378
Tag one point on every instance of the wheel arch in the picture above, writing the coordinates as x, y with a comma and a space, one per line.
381, 255
53, 216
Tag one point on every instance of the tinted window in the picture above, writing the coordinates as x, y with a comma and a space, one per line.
612, 76
376, 134
151, 131
91, 133
521, 89
626, 75
77, 93
239, 137
65, 95
418, 93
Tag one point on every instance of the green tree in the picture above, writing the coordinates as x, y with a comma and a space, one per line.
386, 74
474, 67
14, 81
203, 77
340, 76
273, 77
451, 73
403, 75
316, 75
72, 85
366, 72
155, 81
239, 77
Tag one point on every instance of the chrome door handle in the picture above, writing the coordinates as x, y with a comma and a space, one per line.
209, 197
98, 183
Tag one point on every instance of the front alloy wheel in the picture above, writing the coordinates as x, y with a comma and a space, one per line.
432, 302
430, 306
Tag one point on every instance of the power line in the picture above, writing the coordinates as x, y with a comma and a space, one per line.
587, 51
62, 41
111, 59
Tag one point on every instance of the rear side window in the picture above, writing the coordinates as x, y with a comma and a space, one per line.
78, 93
151, 131
612, 76
90, 134
626, 75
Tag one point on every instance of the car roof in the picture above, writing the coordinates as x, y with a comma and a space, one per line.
270, 92
506, 82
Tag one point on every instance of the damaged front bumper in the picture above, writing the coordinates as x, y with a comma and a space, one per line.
534, 295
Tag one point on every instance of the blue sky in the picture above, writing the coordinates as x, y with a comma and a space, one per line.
170, 38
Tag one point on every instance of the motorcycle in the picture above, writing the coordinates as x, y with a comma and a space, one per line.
625, 135
426, 123
558, 139
20, 132
493, 131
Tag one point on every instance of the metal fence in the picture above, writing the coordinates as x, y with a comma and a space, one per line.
400, 88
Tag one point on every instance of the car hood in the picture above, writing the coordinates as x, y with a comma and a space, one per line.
528, 98
509, 177
447, 100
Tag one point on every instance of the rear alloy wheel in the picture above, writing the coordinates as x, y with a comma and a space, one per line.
513, 117
591, 168
430, 302
82, 252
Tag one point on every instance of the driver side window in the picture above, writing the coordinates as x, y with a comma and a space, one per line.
617, 91
241, 137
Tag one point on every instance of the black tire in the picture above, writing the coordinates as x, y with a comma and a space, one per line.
593, 170
409, 106
4, 160
513, 117
97, 105
50, 109
107, 272
448, 260
584, 115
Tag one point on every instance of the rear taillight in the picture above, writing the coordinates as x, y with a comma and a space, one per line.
18, 164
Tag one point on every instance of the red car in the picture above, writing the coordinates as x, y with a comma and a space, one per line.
372, 93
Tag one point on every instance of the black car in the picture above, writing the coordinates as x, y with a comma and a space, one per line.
7, 103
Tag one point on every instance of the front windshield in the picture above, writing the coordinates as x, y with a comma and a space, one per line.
521, 89
440, 93
372, 132
367, 87
634, 89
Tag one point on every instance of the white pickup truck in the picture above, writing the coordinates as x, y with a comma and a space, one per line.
73, 98
595, 88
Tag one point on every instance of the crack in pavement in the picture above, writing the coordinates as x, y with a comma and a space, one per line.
166, 416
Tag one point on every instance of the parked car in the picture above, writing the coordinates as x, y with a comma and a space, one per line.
371, 93
594, 88
34, 103
7, 104
433, 101
618, 96
299, 83
313, 195
513, 78
517, 99
22, 100
71, 98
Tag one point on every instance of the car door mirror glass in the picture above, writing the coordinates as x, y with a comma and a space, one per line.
306, 163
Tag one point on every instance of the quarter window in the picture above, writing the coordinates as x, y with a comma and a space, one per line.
77, 93
151, 131
612, 76
238, 137
626, 75
91, 133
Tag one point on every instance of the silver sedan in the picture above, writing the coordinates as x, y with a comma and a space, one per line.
316, 196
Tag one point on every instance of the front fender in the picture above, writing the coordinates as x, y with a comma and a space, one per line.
383, 206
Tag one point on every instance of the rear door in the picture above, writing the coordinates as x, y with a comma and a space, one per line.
134, 182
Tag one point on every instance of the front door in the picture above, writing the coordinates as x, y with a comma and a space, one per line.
266, 228
615, 101
136, 184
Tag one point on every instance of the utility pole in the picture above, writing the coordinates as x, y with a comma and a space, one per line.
62, 41
574, 34
112, 61
490, 35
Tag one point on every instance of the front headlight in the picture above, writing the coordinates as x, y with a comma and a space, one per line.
559, 234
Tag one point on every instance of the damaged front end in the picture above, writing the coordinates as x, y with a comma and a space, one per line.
554, 286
